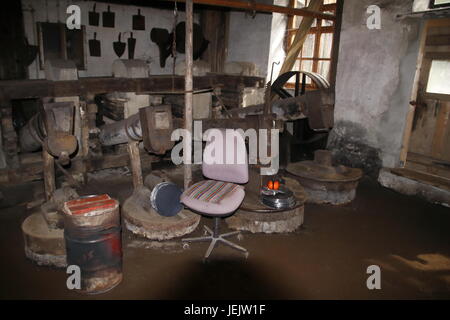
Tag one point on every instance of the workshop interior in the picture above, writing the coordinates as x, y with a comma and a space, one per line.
209, 149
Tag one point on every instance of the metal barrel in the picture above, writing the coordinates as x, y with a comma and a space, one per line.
32, 134
92, 233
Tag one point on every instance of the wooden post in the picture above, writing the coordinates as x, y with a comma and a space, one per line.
84, 127
188, 96
49, 174
135, 160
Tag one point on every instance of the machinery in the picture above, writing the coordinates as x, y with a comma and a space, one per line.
91, 124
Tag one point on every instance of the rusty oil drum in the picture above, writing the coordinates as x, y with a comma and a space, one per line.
92, 235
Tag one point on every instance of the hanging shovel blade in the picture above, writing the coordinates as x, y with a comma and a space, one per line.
119, 47
108, 18
94, 17
138, 21
131, 46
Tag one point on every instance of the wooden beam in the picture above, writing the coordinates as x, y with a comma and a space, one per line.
188, 96
21, 89
49, 174
135, 161
260, 7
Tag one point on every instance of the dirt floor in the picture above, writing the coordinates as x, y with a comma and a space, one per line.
325, 259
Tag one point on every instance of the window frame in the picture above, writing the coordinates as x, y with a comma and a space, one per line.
317, 31
432, 5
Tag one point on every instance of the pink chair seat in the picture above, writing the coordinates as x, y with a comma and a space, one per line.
213, 197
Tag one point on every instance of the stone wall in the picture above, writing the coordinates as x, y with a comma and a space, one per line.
375, 73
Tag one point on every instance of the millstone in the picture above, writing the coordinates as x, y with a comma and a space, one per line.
43, 245
253, 216
142, 220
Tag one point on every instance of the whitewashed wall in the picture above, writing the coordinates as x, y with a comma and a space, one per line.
55, 11
249, 38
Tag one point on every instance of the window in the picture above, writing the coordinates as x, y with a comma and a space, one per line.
439, 3
438, 78
315, 55
58, 42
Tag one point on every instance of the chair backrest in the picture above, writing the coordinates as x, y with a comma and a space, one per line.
225, 156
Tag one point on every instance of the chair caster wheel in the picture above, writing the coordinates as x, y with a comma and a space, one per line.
246, 255
186, 245
205, 232
240, 237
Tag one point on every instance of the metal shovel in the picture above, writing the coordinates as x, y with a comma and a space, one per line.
131, 46
138, 21
119, 47
108, 18
94, 17
94, 47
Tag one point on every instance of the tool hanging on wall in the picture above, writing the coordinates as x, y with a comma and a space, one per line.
131, 46
108, 18
199, 42
94, 17
174, 42
94, 47
138, 21
119, 46
161, 38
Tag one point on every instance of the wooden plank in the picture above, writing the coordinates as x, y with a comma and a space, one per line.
438, 40
420, 162
442, 123
34, 171
83, 87
135, 161
188, 97
261, 7
49, 174
430, 179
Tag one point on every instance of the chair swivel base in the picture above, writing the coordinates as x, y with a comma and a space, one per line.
214, 237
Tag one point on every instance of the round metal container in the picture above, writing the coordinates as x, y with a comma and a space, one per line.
165, 199
278, 199
92, 235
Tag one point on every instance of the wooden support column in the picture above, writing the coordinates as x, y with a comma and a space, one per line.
215, 28
135, 160
49, 174
188, 96
84, 128
8, 135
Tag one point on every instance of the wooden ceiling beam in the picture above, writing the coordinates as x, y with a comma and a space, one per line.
260, 7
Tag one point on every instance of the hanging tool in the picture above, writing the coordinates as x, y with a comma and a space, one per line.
94, 17
131, 45
94, 47
138, 21
119, 46
108, 18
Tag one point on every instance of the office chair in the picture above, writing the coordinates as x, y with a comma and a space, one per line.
225, 164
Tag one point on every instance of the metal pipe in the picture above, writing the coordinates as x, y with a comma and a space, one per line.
32, 134
121, 131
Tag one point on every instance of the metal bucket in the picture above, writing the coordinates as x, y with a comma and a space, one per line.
92, 235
